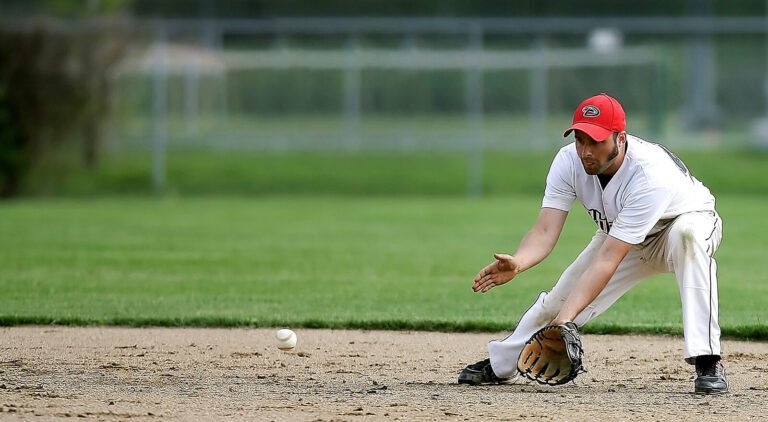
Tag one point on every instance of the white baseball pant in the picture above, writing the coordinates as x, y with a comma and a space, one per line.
684, 246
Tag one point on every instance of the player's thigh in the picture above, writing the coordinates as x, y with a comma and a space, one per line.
573, 272
631, 271
691, 233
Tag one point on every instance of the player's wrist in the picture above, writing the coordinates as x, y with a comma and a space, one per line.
518, 264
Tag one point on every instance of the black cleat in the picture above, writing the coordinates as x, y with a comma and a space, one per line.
711, 376
479, 373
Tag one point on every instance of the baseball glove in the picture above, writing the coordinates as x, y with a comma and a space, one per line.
552, 355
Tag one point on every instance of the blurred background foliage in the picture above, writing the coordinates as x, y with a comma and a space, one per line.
53, 85
84, 112
449, 8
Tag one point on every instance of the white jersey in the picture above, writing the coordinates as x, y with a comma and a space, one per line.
651, 186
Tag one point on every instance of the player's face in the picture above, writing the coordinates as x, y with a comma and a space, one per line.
597, 157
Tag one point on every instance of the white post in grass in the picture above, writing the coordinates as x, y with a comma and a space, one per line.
539, 91
159, 110
474, 103
352, 95
192, 95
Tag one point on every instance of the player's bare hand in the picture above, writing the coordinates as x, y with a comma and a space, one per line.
498, 272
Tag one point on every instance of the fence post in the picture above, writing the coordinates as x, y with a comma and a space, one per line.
474, 100
192, 95
658, 113
539, 91
159, 111
352, 95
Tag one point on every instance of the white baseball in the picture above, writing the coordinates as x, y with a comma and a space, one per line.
286, 339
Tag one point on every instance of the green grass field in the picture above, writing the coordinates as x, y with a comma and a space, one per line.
315, 261
216, 173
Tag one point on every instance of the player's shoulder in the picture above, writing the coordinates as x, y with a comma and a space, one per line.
643, 151
567, 151
639, 146
648, 161
568, 148
566, 156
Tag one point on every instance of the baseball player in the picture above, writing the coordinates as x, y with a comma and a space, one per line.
652, 217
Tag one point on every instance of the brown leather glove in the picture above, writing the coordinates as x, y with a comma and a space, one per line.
553, 355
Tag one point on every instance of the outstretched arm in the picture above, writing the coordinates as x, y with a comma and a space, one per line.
594, 279
534, 247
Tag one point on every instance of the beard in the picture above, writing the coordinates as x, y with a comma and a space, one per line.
615, 152
608, 161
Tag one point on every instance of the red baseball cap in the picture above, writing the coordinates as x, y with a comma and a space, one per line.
598, 116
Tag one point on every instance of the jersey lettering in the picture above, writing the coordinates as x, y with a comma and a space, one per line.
601, 221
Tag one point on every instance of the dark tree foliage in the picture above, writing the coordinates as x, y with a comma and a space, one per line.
383, 8
54, 88
441, 8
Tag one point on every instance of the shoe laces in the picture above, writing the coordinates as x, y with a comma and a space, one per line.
480, 365
710, 369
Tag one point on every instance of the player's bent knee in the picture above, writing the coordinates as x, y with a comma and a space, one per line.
683, 237
585, 316
549, 306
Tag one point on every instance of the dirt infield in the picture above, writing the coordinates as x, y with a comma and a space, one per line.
239, 374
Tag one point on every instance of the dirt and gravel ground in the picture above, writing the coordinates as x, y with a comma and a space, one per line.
104, 373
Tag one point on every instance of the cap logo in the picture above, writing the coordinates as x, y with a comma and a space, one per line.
590, 111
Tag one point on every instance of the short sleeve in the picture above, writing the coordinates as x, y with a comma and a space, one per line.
560, 193
642, 209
